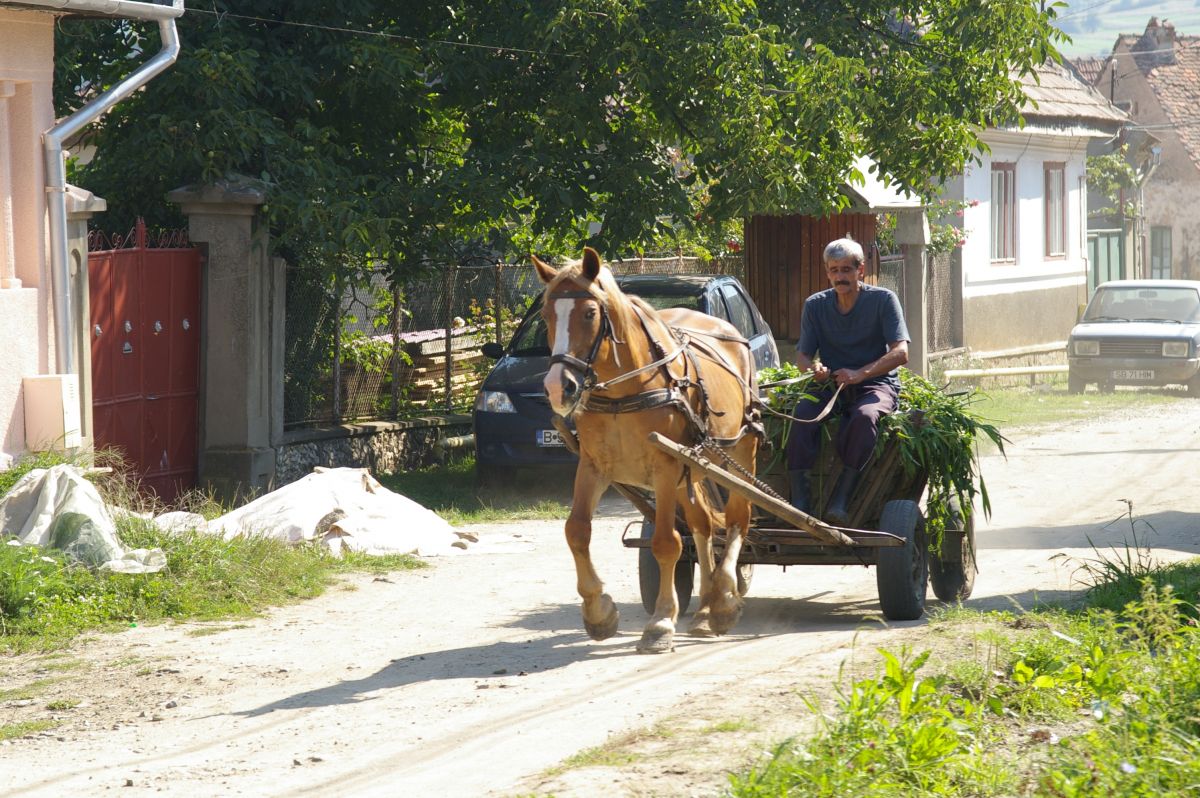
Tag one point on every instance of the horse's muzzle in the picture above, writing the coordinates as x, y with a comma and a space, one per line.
563, 390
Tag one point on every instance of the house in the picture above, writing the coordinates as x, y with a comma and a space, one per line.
1020, 273
1155, 77
43, 309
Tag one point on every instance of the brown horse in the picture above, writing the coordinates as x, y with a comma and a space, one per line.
624, 370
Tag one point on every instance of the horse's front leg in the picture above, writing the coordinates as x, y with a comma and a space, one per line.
600, 615
659, 635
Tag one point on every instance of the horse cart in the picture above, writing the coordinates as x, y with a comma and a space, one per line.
886, 529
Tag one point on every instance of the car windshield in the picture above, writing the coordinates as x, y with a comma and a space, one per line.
530, 339
1128, 303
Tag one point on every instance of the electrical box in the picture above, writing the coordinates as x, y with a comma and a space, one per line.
52, 418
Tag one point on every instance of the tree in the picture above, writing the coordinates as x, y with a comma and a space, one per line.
405, 135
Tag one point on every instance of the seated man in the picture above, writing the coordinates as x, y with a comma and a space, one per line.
859, 332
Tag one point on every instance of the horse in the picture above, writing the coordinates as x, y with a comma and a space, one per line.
622, 370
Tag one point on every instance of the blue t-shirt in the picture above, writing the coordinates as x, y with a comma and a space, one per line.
854, 339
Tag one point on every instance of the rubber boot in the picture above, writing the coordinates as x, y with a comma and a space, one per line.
799, 495
838, 512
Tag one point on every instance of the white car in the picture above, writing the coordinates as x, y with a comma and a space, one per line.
1138, 332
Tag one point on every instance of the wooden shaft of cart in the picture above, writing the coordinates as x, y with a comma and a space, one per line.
814, 526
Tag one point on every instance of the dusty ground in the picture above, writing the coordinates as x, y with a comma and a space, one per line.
474, 677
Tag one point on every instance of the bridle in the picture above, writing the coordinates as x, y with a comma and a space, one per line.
584, 368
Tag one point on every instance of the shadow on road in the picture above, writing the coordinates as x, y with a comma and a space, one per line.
1166, 530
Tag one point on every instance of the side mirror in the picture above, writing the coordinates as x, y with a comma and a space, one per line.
493, 350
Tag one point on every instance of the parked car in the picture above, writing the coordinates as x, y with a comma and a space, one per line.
512, 416
1138, 332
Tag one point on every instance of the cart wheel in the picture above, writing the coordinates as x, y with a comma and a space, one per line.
745, 573
952, 573
648, 575
902, 571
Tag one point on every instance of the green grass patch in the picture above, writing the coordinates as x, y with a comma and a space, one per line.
451, 491
13, 731
26, 691
62, 704
1046, 404
729, 727
1071, 702
46, 601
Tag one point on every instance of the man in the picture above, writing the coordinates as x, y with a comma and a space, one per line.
858, 331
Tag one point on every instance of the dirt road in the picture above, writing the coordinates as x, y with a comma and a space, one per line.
474, 677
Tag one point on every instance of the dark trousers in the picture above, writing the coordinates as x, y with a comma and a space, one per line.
860, 407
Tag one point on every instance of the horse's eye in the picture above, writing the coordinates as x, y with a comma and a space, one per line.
590, 314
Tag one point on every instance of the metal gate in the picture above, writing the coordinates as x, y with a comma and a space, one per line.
1107, 256
145, 324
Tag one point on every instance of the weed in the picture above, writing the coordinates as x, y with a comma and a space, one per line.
13, 731
729, 726
26, 692
62, 703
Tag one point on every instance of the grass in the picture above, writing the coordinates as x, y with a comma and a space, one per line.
450, 491
46, 600
1050, 403
13, 731
1066, 702
27, 691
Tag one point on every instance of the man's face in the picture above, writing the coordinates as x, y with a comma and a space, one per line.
844, 275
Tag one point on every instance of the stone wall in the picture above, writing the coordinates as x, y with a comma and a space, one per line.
380, 446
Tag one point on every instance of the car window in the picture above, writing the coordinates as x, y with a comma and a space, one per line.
739, 310
1131, 303
672, 301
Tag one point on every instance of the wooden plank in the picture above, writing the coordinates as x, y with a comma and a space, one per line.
759, 498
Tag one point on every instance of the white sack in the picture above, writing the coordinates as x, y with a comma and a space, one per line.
347, 508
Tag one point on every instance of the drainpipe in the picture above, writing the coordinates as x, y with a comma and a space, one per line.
56, 171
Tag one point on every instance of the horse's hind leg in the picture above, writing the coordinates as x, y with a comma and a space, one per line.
723, 600
699, 516
600, 615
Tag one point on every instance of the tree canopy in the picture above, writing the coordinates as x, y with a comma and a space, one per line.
403, 132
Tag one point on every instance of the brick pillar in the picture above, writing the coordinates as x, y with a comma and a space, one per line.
242, 374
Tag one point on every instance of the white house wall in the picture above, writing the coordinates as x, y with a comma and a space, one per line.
1033, 301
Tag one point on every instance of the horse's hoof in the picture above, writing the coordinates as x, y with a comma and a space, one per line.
701, 626
724, 619
656, 640
604, 629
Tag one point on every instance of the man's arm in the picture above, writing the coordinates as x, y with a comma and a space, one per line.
896, 356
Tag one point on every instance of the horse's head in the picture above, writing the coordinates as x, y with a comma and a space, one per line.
579, 320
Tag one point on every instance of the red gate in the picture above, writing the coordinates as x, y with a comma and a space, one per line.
145, 307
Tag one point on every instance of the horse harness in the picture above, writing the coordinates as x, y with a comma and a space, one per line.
675, 394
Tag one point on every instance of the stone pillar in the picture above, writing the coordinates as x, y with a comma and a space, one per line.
242, 377
912, 232
82, 205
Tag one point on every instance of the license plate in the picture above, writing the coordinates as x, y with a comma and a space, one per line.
1133, 374
549, 437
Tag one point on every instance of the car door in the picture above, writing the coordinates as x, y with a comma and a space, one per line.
743, 315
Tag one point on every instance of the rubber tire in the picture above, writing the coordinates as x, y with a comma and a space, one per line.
1075, 384
685, 575
952, 573
491, 476
902, 572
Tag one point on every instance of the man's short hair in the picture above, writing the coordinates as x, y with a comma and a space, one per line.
845, 248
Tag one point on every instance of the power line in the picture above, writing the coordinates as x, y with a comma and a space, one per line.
222, 15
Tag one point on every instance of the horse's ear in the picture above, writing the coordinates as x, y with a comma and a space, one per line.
545, 271
591, 264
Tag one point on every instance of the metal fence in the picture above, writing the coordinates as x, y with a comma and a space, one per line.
359, 350
941, 300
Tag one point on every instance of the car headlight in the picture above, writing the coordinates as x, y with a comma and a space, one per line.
494, 402
1086, 348
1175, 349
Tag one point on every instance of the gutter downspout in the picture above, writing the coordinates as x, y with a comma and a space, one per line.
56, 171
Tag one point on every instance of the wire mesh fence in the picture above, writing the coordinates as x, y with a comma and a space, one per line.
940, 303
360, 349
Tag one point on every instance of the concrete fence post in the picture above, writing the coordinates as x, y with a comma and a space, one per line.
242, 331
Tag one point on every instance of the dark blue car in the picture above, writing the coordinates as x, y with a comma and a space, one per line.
512, 423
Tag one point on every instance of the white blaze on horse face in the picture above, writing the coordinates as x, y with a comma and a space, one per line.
562, 340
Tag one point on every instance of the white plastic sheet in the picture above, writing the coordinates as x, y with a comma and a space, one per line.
58, 508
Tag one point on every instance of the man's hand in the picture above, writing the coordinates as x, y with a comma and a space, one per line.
848, 376
820, 372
